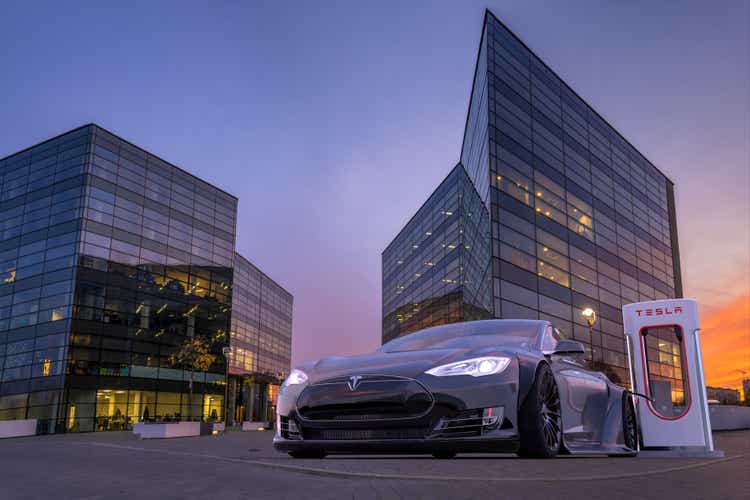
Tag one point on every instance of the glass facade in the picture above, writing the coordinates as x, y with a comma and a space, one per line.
112, 261
42, 195
437, 269
261, 341
579, 218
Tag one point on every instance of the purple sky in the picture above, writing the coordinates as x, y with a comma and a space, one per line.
333, 121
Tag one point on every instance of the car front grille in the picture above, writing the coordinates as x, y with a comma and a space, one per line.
374, 398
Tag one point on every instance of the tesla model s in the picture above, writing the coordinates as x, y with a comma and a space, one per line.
481, 386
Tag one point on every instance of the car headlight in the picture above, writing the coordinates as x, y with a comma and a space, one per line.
476, 367
295, 377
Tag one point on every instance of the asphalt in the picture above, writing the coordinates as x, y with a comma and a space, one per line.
244, 465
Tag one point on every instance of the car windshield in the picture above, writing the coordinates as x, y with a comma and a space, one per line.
469, 334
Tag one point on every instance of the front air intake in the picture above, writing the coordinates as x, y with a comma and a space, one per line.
365, 434
465, 424
288, 428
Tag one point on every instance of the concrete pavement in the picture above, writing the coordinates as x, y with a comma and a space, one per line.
244, 465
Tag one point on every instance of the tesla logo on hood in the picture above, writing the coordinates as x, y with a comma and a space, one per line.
353, 382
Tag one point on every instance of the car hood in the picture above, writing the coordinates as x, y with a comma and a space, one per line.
403, 364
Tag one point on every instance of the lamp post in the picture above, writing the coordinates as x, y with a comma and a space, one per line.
226, 351
590, 316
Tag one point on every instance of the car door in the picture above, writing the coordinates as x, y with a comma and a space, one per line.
583, 395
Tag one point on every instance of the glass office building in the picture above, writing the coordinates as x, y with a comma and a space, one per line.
579, 218
261, 341
112, 260
437, 269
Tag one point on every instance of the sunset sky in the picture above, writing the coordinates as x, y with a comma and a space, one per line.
333, 121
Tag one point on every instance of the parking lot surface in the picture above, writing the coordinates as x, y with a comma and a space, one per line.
244, 465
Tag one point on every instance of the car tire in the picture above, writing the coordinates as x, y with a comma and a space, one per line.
307, 454
444, 454
630, 431
540, 417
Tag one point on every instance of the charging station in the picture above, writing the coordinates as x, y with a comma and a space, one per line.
666, 366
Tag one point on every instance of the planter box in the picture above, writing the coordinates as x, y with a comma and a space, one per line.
255, 426
167, 430
17, 428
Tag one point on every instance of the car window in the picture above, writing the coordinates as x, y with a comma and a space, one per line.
480, 333
549, 340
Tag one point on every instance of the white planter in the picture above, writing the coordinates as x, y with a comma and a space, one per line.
255, 426
167, 430
17, 428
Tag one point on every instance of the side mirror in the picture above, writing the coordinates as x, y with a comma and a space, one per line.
568, 347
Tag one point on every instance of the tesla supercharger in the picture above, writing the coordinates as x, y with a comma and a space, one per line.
666, 366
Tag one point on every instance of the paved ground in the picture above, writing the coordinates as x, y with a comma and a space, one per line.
244, 465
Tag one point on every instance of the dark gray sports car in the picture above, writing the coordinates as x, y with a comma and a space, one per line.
481, 386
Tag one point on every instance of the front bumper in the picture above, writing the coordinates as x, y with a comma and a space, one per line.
456, 420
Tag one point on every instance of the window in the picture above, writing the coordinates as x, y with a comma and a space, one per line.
553, 274
517, 257
515, 184
666, 370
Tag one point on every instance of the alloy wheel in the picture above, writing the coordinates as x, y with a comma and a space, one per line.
630, 429
551, 416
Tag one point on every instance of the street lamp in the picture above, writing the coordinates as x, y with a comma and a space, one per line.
590, 316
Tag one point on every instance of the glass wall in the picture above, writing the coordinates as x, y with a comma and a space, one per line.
261, 324
155, 272
437, 269
475, 149
579, 217
111, 260
261, 340
41, 198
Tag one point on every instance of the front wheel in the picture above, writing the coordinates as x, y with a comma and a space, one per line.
540, 417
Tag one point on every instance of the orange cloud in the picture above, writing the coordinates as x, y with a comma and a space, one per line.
725, 339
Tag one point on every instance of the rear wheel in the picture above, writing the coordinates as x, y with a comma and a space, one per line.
307, 454
540, 418
629, 423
